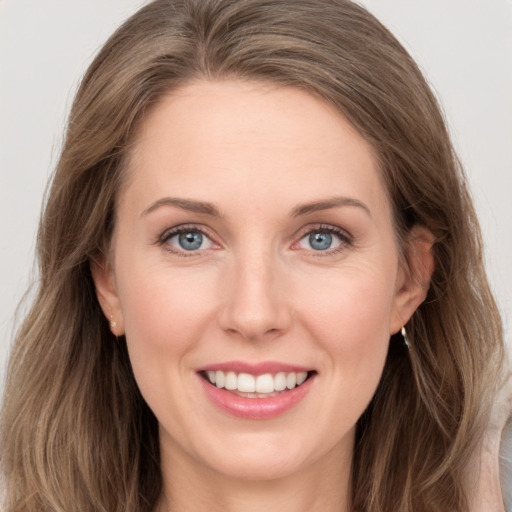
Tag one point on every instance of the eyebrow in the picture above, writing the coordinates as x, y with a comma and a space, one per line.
185, 204
327, 204
302, 209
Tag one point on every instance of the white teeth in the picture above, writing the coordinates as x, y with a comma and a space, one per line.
291, 380
246, 383
280, 381
219, 379
301, 377
230, 381
265, 383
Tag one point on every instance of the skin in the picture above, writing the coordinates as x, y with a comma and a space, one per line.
256, 290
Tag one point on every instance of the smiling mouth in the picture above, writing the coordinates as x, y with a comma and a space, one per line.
266, 385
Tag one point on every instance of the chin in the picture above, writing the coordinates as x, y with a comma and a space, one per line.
267, 457
258, 467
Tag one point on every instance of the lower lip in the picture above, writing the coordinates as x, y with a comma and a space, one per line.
256, 408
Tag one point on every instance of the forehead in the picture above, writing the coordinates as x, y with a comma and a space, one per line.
234, 140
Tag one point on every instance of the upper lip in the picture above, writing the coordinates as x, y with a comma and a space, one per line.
254, 368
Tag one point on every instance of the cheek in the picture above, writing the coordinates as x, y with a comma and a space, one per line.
351, 325
164, 313
354, 307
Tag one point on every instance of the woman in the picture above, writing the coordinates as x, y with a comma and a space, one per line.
261, 278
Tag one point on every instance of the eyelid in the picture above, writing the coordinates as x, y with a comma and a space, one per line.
330, 228
167, 234
345, 237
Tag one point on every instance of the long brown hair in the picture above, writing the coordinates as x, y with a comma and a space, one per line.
76, 433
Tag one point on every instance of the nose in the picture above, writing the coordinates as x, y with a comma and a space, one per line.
255, 305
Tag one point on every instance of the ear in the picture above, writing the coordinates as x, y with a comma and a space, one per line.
414, 276
106, 291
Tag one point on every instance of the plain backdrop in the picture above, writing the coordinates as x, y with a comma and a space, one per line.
464, 48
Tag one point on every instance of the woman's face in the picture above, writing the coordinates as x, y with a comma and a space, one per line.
254, 245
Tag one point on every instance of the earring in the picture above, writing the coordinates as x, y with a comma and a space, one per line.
112, 322
404, 336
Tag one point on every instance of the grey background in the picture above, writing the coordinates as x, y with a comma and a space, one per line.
463, 46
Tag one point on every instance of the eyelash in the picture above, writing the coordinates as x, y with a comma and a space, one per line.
178, 230
346, 240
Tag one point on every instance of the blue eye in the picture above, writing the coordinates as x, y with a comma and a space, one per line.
188, 240
323, 239
320, 241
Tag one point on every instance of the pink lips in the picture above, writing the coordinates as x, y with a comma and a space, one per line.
254, 368
255, 408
